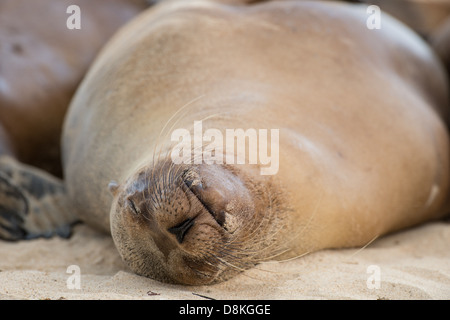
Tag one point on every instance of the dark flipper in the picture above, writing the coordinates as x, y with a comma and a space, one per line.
32, 203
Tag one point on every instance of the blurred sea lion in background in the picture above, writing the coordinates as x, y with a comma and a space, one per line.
41, 64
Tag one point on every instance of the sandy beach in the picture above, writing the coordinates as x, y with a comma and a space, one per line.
413, 264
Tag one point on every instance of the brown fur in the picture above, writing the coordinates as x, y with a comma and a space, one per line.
41, 64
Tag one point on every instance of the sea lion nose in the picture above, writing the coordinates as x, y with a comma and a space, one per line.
210, 195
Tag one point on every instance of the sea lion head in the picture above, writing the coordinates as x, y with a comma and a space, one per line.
195, 224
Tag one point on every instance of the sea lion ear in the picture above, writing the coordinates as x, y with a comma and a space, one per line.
113, 187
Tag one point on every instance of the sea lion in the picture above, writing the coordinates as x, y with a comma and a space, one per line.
42, 62
363, 146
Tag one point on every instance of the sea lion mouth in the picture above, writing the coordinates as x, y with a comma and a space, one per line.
181, 229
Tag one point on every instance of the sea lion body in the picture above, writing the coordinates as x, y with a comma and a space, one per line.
363, 146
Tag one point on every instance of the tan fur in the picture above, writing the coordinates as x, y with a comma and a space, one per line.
363, 145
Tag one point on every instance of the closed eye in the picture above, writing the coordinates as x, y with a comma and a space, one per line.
133, 207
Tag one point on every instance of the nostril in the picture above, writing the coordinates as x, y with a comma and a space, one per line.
220, 217
211, 199
191, 179
180, 230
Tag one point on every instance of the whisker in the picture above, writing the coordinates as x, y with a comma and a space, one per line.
245, 274
286, 260
365, 246
170, 119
